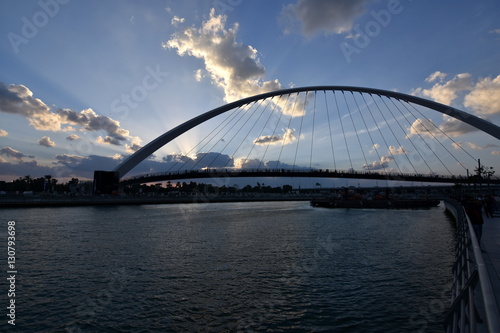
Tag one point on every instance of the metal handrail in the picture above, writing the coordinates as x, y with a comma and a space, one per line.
488, 296
461, 316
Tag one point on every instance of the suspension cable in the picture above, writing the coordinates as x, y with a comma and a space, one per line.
312, 134
380, 131
236, 133
264, 127
456, 144
330, 130
232, 115
400, 145
433, 136
251, 128
355, 129
369, 134
343, 131
300, 132
289, 123
409, 138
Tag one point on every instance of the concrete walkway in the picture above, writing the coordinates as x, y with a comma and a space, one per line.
490, 243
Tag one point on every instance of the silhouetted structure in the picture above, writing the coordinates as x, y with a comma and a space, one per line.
105, 182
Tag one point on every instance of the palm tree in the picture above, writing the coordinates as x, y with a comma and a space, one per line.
47, 183
28, 179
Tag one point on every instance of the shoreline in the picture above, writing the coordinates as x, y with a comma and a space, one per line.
48, 201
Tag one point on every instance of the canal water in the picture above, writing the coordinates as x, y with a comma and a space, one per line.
268, 267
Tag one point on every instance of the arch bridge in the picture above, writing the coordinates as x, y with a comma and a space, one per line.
318, 132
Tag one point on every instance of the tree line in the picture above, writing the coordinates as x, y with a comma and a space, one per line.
46, 184
194, 187
50, 185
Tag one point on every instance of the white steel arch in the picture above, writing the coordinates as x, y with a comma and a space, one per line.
131, 161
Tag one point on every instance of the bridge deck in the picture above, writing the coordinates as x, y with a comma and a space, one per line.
258, 173
490, 243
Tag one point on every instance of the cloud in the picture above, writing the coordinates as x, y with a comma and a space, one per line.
83, 167
447, 92
284, 139
424, 127
232, 66
177, 20
3, 133
384, 160
328, 16
73, 137
46, 142
218, 160
199, 161
18, 99
133, 147
69, 159
378, 165
255, 163
396, 151
177, 158
243, 163
213, 160
107, 140
375, 147
452, 127
458, 145
198, 75
484, 97
12, 153
436, 76
31, 168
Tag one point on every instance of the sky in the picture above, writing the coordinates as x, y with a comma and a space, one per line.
83, 84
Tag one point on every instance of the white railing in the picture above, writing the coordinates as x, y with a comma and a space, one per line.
473, 305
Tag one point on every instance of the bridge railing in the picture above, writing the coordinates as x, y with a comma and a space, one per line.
473, 305
215, 172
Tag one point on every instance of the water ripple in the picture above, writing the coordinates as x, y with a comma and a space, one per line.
270, 267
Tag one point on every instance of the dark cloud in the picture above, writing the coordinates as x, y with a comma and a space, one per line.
256, 163
18, 99
108, 140
177, 158
328, 16
450, 126
133, 147
31, 168
69, 159
12, 153
213, 160
284, 139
